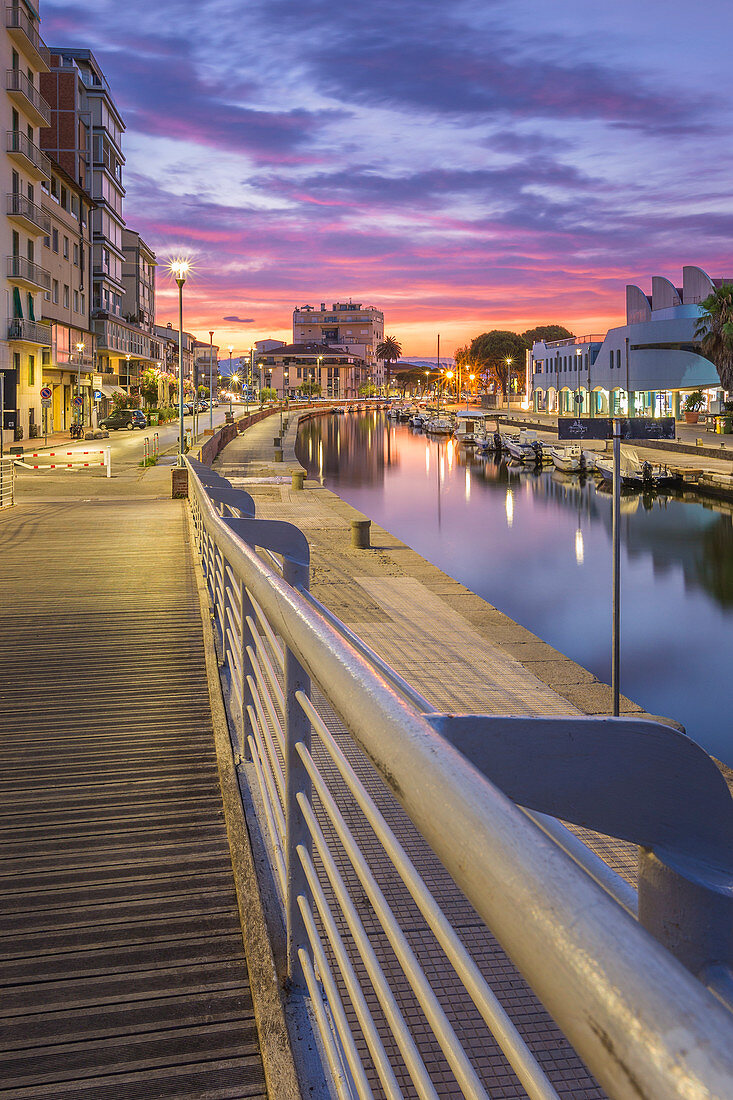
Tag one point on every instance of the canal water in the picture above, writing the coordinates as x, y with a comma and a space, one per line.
538, 547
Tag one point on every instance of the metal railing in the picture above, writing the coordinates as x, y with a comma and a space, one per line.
29, 332
21, 144
17, 81
16, 19
7, 482
21, 269
317, 717
19, 206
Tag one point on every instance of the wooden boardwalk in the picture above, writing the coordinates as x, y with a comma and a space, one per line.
123, 970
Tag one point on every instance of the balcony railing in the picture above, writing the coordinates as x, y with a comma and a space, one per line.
22, 30
21, 207
21, 270
29, 332
20, 145
17, 82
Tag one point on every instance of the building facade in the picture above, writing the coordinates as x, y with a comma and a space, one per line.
66, 306
85, 138
24, 336
349, 326
287, 368
643, 368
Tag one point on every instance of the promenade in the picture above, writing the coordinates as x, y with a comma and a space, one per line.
123, 970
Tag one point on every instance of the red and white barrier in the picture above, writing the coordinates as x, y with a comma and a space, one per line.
86, 458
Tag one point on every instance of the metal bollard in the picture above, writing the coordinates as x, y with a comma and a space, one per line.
360, 534
278, 454
297, 479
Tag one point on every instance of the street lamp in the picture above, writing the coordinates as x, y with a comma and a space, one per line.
508, 380
233, 378
179, 270
471, 378
449, 376
211, 380
80, 352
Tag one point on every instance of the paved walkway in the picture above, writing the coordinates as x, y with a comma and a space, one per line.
122, 972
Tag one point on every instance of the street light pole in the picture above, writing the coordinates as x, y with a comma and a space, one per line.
508, 382
211, 380
80, 352
179, 268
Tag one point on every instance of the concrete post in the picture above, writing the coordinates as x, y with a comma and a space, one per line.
360, 529
278, 454
297, 479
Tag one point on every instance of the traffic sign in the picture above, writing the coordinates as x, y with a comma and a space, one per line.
77, 402
98, 395
46, 393
46, 402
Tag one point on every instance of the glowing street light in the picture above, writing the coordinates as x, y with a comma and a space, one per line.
179, 270
509, 379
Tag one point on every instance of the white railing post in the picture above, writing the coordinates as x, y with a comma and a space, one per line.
108, 460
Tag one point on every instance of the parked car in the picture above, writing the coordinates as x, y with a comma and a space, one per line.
203, 407
215, 403
125, 418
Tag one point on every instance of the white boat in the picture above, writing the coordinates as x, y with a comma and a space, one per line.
569, 458
470, 427
439, 425
634, 470
524, 447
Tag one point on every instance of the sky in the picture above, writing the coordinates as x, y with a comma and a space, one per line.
462, 166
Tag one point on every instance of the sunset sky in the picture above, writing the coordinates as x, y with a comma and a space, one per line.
463, 166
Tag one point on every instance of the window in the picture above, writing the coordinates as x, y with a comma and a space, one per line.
31, 369
46, 242
64, 198
54, 188
56, 291
618, 359
76, 301
83, 303
55, 239
76, 255
66, 247
66, 296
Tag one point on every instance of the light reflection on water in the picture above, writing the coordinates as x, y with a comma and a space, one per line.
539, 548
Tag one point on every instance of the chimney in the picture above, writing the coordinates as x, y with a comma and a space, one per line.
323, 305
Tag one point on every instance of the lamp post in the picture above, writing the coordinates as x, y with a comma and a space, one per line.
233, 379
508, 380
80, 352
471, 378
211, 380
179, 270
319, 361
449, 376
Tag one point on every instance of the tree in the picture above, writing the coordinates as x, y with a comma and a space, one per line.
490, 353
368, 389
267, 394
149, 386
310, 389
715, 332
545, 332
389, 351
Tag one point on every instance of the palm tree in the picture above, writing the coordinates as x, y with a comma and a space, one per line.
389, 351
715, 331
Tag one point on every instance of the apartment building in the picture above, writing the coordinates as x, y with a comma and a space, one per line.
68, 363
85, 138
167, 338
23, 336
338, 373
350, 326
205, 363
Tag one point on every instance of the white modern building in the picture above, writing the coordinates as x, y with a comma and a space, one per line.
644, 368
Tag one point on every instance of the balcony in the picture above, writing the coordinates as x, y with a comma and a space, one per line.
26, 37
34, 220
27, 155
25, 273
28, 98
29, 332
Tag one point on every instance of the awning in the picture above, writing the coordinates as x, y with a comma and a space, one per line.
108, 391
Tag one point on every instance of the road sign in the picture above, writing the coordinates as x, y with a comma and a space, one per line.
46, 402
77, 402
98, 395
46, 393
601, 427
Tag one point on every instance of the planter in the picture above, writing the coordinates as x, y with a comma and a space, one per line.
692, 417
724, 424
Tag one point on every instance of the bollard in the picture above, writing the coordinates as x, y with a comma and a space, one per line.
278, 454
179, 482
297, 479
360, 533
698, 442
277, 441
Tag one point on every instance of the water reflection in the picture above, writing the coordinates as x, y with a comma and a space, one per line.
537, 545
